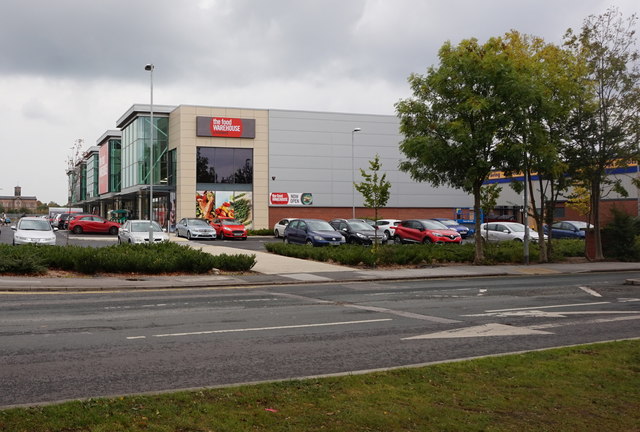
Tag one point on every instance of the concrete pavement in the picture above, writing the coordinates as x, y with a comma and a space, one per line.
275, 269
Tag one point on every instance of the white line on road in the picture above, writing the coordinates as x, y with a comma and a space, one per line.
590, 291
263, 328
549, 307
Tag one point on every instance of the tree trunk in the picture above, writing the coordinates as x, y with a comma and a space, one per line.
479, 255
595, 214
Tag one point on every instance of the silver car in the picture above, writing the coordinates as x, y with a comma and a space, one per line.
193, 228
137, 231
33, 230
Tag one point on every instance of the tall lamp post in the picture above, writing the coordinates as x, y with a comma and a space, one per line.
353, 179
149, 67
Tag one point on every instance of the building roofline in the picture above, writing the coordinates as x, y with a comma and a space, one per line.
136, 109
111, 133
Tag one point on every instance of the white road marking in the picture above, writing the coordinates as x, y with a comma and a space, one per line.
543, 314
263, 328
549, 307
491, 329
590, 291
403, 314
595, 321
482, 292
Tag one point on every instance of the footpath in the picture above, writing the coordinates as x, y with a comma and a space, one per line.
275, 269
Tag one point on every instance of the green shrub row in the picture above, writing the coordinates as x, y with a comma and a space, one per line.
126, 258
428, 254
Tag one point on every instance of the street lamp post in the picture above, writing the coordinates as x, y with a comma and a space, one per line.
353, 180
149, 67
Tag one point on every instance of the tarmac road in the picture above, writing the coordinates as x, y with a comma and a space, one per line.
58, 346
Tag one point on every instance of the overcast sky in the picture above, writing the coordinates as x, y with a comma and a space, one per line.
70, 68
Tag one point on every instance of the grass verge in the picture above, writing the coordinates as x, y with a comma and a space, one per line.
590, 387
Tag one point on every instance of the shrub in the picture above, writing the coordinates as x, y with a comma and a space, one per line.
127, 258
619, 237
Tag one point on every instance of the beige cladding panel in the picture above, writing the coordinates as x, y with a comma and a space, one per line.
182, 137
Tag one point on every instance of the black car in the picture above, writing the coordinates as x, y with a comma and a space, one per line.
63, 220
356, 231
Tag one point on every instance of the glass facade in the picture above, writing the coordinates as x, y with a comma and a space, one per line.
135, 161
92, 176
224, 165
115, 165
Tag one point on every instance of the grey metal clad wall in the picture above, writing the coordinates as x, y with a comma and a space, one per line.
311, 152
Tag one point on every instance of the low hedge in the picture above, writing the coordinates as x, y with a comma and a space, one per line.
126, 258
420, 255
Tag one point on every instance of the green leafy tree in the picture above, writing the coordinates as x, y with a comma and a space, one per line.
454, 120
605, 124
375, 188
542, 89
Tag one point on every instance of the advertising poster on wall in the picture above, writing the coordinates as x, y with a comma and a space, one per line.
291, 198
237, 204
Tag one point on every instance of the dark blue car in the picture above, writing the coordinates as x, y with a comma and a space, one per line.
450, 223
567, 230
312, 232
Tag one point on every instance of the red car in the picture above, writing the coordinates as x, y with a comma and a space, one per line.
229, 228
425, 231
93, 224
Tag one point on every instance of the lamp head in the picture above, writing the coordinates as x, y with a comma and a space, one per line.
357, 129
149, 67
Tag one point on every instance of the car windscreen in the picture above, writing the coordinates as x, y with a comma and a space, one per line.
361, 226
319, 226
516, 227
199, 223
434, 225
448, 222
144, 227
34, 225
229, 222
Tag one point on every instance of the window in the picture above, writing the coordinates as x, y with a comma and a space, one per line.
224, 165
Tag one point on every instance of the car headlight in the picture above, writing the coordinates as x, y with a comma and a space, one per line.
437, 234
362, 236
318, 238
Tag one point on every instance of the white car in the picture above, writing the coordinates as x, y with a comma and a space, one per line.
33, 230
137, 231
278, 228
388, 227
195, 228
506, 231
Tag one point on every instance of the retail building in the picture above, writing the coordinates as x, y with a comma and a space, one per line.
259, 165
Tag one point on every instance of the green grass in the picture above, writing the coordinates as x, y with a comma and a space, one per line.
586, 388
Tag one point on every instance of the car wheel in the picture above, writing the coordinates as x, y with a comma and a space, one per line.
77, 229
119, 241
397, 240
517, 240
112, 230
387, 235
426, 240
276, 233
309, 242
188, 235
285, 240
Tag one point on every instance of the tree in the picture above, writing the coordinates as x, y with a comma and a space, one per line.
605, 124
542, 92
374, 188
453, 122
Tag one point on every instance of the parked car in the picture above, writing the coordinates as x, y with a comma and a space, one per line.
356, 231
278, 228
387, 227
229, 228
451, 224
506, 231
424, 231
195, 228
92, 224
62, 219
33, 230
313, 232
568, 230
137, 231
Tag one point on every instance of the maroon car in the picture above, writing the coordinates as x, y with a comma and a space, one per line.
93, 224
